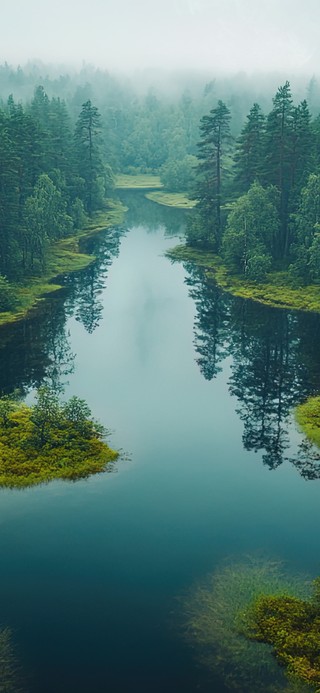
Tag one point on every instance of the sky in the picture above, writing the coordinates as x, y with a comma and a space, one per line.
227, 35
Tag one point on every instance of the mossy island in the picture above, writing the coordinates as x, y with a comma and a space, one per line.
50, 440
307, 416
257, 627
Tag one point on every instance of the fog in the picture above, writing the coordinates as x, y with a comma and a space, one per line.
130, 34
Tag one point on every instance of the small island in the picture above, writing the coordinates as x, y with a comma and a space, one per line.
50, 440
308, 417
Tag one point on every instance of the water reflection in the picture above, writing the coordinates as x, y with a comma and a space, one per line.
85, 288
38, 348
144, 212
274, 366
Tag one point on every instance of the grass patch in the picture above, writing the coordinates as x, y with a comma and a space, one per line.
308, 417
141, 181
63, 257
216, 622
179, 200
50, 441
277, 292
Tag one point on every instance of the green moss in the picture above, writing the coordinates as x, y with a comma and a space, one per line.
277, 292
292, 627
141, 181
179, 200
63, 257
67, 451
216, 619
308, 417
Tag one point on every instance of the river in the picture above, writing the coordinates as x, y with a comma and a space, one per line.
197, 389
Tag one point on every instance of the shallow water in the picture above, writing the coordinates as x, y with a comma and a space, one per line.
197, 388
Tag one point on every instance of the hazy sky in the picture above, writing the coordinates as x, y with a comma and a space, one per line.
126, 34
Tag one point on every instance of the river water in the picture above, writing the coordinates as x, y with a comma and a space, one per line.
197, 389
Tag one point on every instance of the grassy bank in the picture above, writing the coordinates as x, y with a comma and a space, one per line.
277, 292
308, 417
178, 200
63, 257
142, 181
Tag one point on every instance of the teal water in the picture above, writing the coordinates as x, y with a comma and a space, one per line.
197, 388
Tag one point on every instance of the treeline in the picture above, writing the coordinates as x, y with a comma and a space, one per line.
52, 176
151, 119
258, 198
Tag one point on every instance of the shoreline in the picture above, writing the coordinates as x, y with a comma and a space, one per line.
63, 257
278, 294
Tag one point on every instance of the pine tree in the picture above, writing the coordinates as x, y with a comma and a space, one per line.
87, 141
249, 156
278, 156
215, 136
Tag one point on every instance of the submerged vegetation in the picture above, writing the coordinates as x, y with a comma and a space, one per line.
308, 418
217, 618
50, 440
8, 665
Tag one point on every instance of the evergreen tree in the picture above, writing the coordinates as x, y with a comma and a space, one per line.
215, 137
278, 157
306, 230
249, 157
89, 163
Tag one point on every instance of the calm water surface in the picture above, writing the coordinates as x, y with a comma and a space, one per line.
197, 388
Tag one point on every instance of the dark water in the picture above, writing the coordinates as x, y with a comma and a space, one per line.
198, 387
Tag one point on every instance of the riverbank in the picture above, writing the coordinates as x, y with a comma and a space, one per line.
141, 181
146, 181
63, 257
277, 293
177, 200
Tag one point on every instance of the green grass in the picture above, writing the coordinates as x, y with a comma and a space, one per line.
67, 454
277, 292
63, 257
179, 200
141, 181
308, 417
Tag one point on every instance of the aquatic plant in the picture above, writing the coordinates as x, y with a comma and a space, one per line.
8, 664
292, 627
217, 618
50, 440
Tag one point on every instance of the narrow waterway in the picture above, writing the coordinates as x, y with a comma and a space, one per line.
197, 388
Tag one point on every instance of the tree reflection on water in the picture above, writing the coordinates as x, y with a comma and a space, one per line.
275, 365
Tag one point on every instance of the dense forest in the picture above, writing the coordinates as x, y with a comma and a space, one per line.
258, 197
51, 179
256, 177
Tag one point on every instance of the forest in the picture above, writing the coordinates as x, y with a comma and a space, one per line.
258, 197
252, 167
